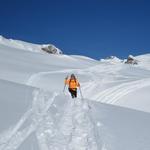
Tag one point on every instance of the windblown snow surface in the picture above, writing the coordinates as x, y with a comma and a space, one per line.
36, 115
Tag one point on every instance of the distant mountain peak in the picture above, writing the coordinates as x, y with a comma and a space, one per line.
111, 59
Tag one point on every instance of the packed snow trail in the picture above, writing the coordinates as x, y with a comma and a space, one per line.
77, 127
113, 94
13, 138
73, 131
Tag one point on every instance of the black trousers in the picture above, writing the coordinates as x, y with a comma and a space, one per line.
73, 92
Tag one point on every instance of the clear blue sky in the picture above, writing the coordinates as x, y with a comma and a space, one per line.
95, 28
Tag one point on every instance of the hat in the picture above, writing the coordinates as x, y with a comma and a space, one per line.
72, 75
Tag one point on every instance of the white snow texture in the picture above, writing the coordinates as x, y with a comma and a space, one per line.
113, 112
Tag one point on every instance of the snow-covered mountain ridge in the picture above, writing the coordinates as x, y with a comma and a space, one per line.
37, 115
29, 46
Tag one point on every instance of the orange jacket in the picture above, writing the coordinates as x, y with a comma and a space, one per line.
72, 83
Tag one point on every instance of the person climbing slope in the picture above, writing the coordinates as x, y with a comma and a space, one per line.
73, 84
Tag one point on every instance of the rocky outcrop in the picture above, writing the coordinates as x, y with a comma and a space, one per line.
51, 49
131, 60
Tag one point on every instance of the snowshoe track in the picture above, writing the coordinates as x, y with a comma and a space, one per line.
78, 128
75, 130
12, 139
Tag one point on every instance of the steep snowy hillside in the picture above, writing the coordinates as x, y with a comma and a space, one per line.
114, 113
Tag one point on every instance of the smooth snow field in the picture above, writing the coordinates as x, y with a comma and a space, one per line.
112, 113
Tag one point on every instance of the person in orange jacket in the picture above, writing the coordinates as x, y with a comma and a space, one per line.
73, 84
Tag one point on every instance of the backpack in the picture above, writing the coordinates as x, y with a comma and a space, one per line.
71, 81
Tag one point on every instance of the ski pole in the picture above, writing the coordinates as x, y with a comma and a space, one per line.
64, 88
81, 93
65, 85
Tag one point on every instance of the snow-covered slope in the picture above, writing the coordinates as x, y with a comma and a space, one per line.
27, 46
36, 114
144, 61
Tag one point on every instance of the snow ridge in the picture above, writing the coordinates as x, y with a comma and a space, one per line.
27, 46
